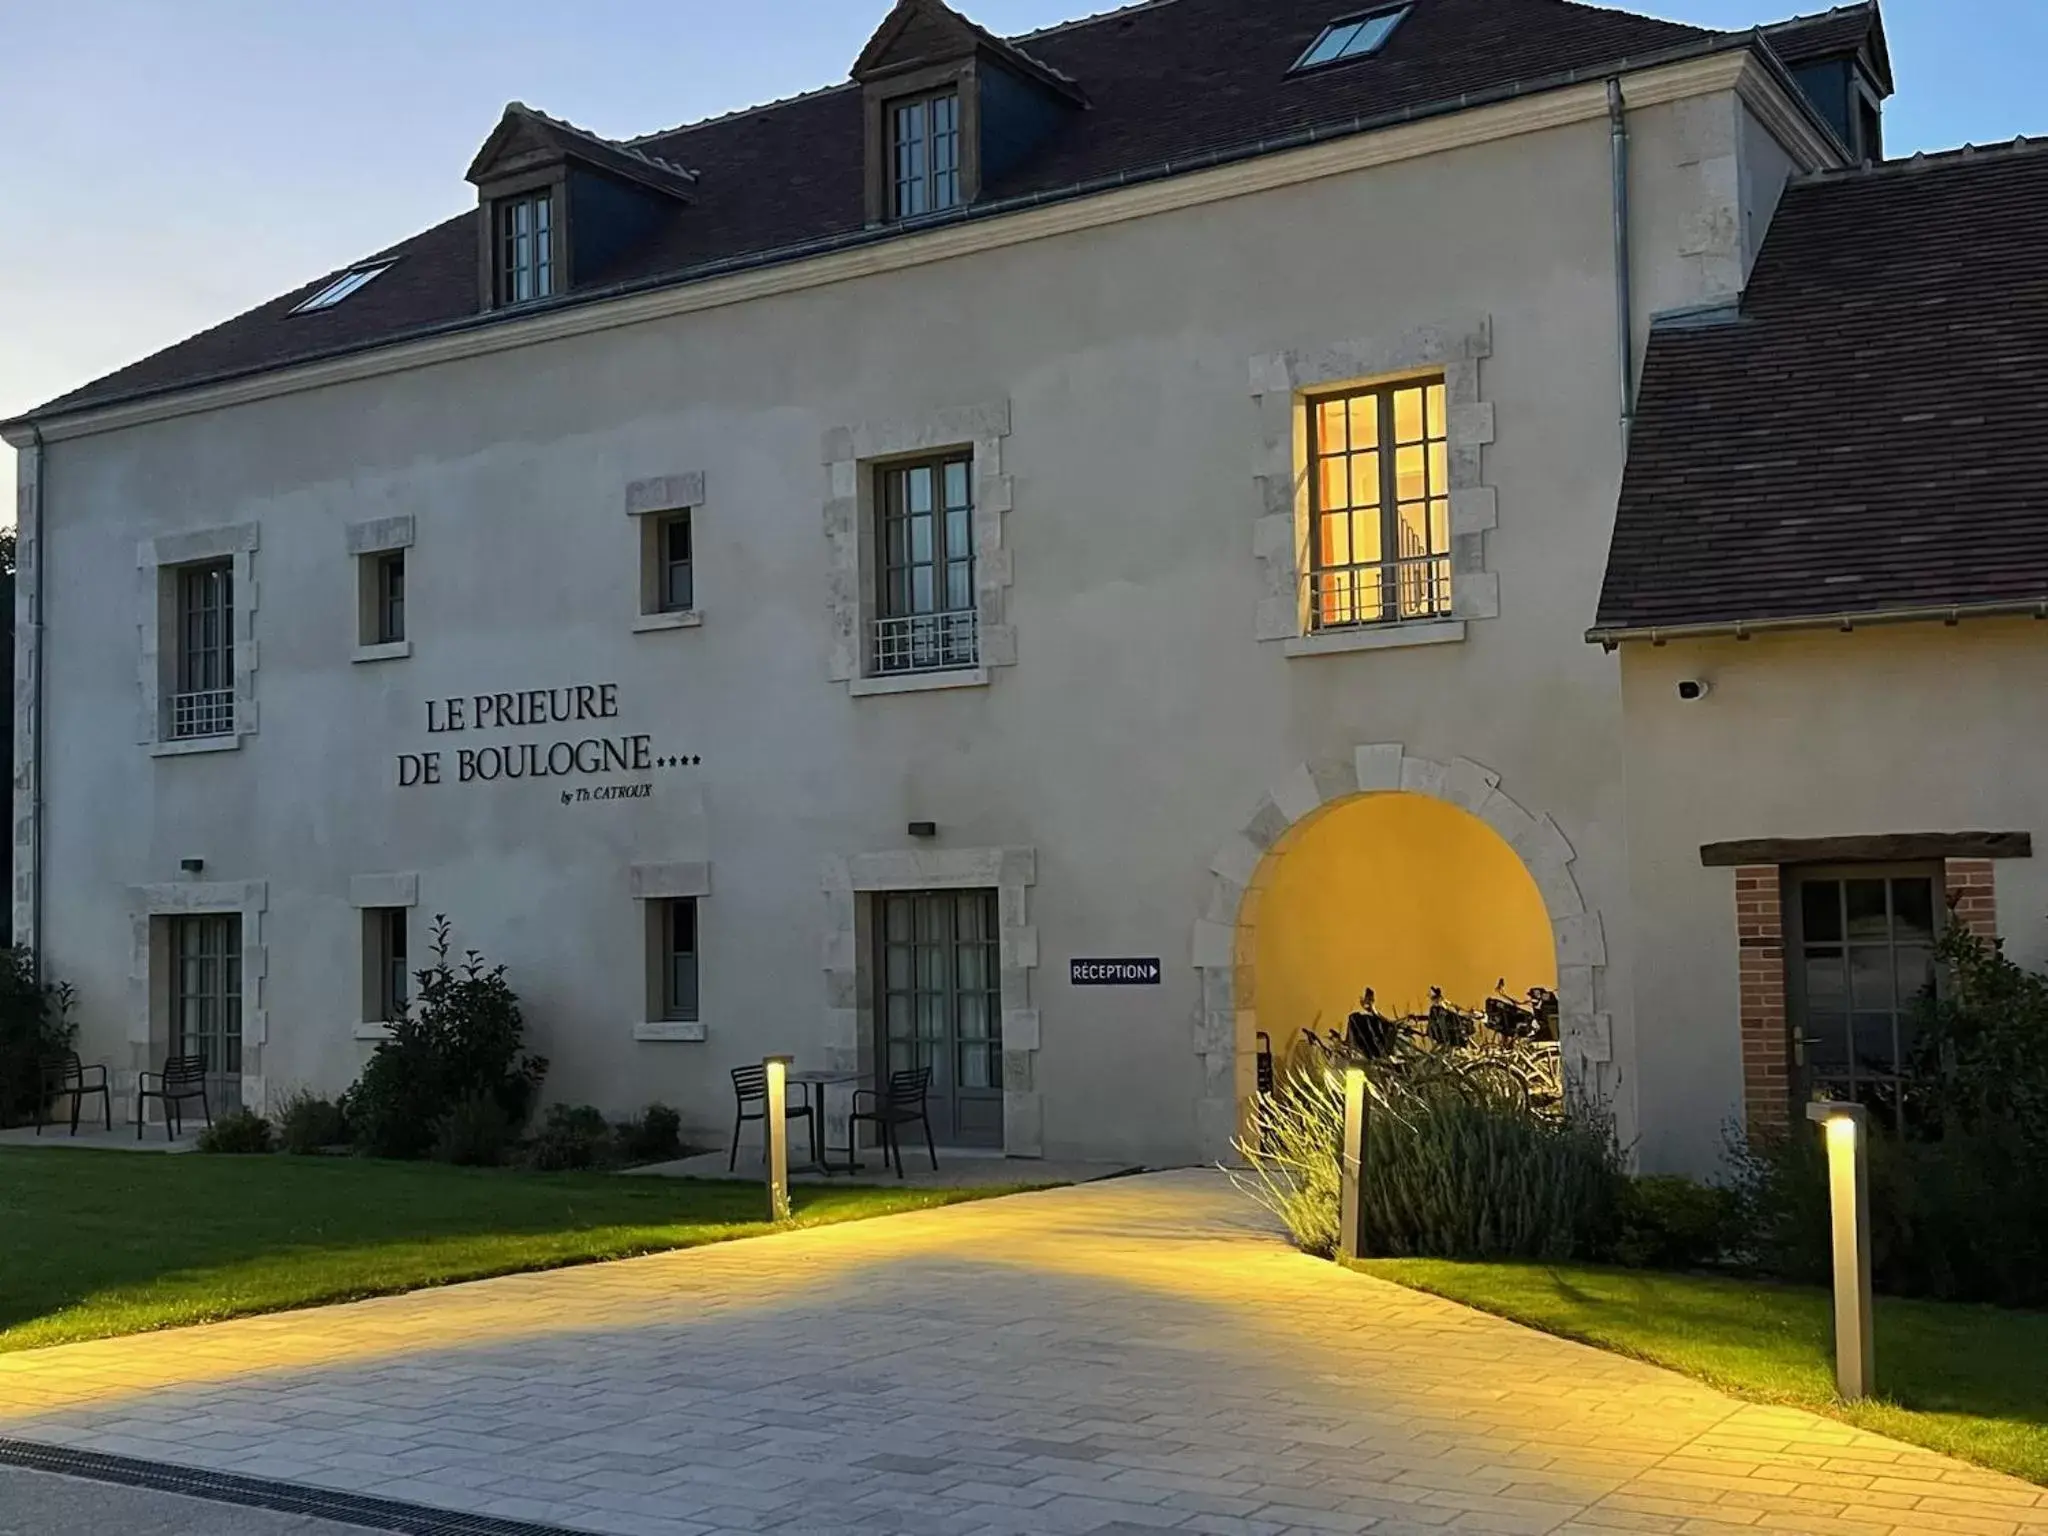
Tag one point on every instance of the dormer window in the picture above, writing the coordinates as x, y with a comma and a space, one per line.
924, 146
1355, 37
526, 255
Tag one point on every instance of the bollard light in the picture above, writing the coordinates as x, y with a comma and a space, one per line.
1351, 1168
1847, 1127
776, 1135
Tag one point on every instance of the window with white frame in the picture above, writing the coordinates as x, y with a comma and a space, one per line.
924, 155
926, 619
203, 672
526, 248
675, 921
387, 975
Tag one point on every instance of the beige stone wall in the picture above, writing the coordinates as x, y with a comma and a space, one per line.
1139, 724
1909, 729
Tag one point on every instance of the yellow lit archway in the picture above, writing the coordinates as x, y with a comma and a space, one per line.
1400, 892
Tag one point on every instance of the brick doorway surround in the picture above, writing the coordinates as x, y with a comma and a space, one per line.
1971, 888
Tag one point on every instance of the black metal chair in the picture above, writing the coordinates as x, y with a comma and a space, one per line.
750, 1086
65, 1074
183, 1078
902, 1103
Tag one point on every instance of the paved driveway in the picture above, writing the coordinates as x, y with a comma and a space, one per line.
1115, 1358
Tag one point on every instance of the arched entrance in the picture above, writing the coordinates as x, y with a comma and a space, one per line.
1395, 891
1396, 872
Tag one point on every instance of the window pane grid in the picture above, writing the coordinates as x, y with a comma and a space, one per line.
395, 990
1379, 506
1865, 963
206, 998
940, 981
927, 616
679, 960
924, 148
203, 702
526, 249
677, 580
391, 598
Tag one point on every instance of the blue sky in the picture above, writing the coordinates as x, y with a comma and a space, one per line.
169, 165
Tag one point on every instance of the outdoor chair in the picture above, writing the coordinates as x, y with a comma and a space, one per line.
903, 1103
750, 1087
64, 1074
183, 1077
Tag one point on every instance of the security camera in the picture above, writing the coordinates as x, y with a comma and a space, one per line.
1693, 689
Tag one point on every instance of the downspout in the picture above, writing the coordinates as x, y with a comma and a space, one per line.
34, 629
1624, 294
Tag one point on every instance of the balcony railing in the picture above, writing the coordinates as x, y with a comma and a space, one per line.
208, 712
927, 642
1381, 592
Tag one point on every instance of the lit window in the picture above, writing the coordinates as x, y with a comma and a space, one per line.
924, 149
1379, 490
526, 256
341, 288
1357, 37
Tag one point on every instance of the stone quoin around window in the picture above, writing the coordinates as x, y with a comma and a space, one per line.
380, 550
375, 898
176, 715
673, 902
1282, 384
865, 644
667, 512
149, 909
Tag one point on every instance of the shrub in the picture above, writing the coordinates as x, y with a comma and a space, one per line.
1448, 1173
656, 1136
462, 1040
1959, 1195
1962, 1218
307, 1123
35, 1022
476, 1133
1674, 1223
574, 1136
243, 1131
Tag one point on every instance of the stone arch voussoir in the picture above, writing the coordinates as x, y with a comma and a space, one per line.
1226, 1025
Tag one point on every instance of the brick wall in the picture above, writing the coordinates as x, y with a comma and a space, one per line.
1766, 1045
1973, 896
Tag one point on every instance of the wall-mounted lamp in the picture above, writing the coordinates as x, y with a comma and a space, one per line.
924, 829
192, 866
1847, 1127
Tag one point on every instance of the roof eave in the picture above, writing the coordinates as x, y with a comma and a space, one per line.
1845, 620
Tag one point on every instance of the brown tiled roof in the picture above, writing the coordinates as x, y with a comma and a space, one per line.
1868, 433
1169, 84
1834, 34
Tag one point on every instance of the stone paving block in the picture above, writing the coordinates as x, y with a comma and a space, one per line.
1142, 1352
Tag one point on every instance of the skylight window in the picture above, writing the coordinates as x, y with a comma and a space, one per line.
341, 288
1357, 37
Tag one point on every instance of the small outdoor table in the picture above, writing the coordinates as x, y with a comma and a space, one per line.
814, 1083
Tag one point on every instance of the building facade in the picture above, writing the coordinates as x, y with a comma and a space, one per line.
984, 568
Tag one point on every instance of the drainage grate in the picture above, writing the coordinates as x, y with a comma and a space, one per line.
263, 1493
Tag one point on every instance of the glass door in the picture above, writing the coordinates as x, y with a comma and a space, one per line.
206, 1001
938, 1004
1861, 960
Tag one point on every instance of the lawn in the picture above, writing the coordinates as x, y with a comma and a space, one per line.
99, 1243
1968, 1381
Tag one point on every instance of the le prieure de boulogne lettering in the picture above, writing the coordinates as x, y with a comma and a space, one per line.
590, 751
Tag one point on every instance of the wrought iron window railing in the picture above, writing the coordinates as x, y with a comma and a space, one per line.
206, 712
1380, 592
927, 642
